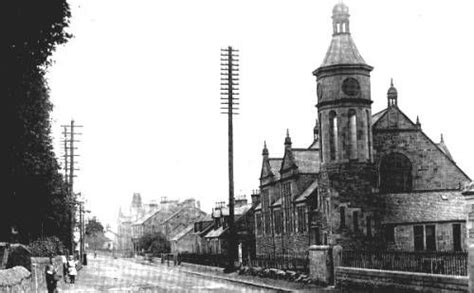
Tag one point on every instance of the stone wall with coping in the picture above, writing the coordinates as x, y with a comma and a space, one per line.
38, 271
395, 281
16, 279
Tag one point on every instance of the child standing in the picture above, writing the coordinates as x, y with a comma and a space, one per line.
71, 269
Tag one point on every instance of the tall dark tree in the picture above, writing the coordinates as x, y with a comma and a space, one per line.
33, 197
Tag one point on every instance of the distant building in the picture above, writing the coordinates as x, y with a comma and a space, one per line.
217, 237
367, 180
169, 217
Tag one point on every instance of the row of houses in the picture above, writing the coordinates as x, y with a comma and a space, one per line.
211, 235
169, 217
187, 227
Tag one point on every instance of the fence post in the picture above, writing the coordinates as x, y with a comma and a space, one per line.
320, 264
468, 193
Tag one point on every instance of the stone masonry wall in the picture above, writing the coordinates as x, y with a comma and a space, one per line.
404, 237
432, 169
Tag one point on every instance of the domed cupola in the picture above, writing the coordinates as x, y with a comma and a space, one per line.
392, 95
340, 16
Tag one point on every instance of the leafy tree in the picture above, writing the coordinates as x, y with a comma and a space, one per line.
154, 243
94, 227
34, 196
48, 247
95, 234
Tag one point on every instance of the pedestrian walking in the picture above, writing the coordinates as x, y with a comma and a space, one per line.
71, 269
52, 278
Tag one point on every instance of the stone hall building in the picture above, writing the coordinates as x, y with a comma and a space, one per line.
368, 181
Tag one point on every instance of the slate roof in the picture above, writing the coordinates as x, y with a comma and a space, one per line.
415, 207
183, 232
277, 203
342, 50
145, 217
377, 116
308, 191
306, 160
224, 211
216, 232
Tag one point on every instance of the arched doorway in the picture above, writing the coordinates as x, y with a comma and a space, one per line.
395, 173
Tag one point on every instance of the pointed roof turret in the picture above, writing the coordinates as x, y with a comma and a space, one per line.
444, 148
265, 150
342, 49
392, 95
316, 130
418, 124
287, 140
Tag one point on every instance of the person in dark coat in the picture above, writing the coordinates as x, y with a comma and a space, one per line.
51, 279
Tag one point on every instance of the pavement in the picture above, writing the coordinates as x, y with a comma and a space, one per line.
107, 274
258, 282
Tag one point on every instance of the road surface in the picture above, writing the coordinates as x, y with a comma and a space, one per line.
105, 273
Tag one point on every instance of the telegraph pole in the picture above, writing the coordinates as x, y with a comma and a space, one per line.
69, 162
229, 101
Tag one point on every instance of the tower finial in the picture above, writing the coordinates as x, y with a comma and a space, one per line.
316, 130
418, 124
287, 139
265, 150
442, 139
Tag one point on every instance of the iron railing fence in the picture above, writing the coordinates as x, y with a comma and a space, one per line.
217, 260
293, 262
445, 263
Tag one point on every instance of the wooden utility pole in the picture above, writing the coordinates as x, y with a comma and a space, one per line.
69, 156
229, 101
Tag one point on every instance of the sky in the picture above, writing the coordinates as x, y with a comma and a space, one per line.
142, 77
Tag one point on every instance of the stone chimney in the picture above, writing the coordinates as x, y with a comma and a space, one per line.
255, 197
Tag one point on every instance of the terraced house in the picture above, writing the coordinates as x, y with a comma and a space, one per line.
367, 180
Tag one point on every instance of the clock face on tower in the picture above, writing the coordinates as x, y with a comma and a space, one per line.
351, 87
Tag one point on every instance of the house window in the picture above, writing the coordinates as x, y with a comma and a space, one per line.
266, 211
419, 238
301, 219
389, 232
332, 135
342, 214
430, 237
352, 134
286, 194
457, 237
355, 220
277, 216
368, 222
259, 223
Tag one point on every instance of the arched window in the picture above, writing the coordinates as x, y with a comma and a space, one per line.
369, 146
332, 135
320, 139
352, 134
395, 173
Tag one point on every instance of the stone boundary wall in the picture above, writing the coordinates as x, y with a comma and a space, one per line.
16, 279
38, 271
396, 281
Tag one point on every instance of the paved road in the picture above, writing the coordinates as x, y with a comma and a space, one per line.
126, 275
